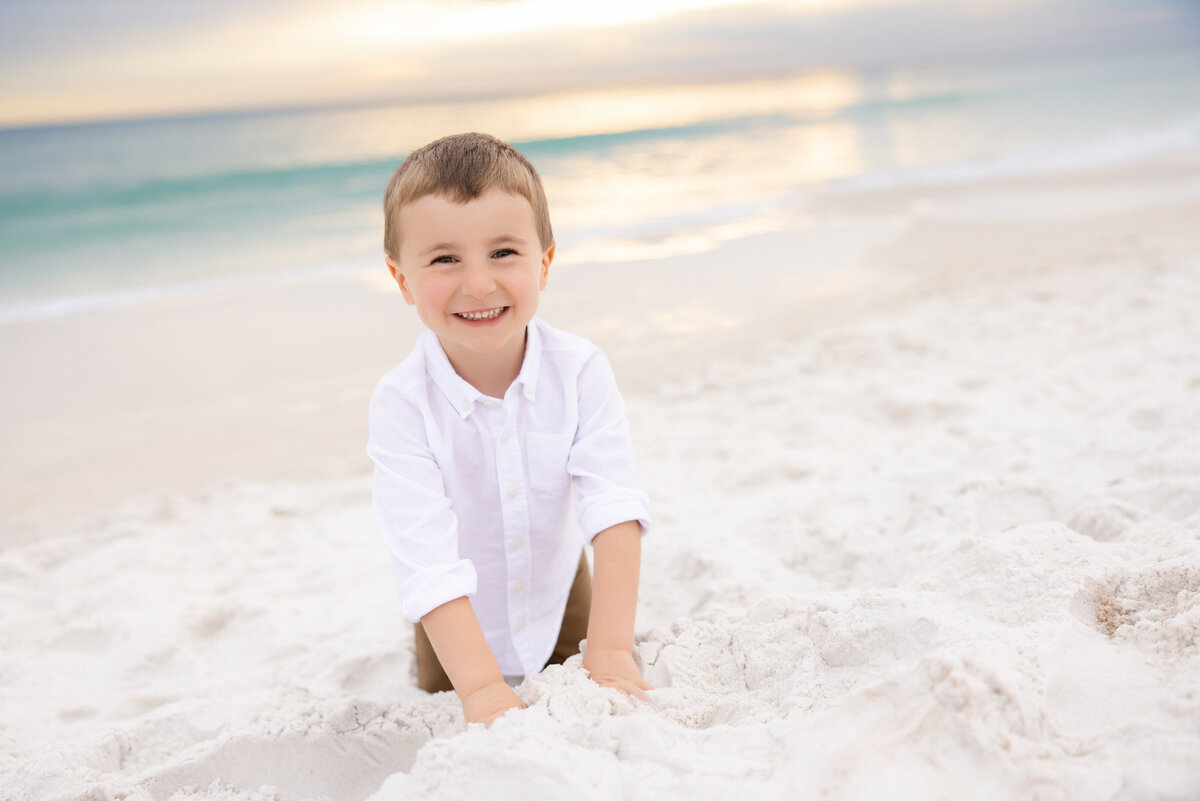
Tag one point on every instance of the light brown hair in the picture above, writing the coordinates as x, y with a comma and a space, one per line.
462, 167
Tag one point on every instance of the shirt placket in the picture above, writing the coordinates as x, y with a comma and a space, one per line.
518, 553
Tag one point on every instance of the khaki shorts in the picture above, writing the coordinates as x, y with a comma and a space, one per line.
431, 678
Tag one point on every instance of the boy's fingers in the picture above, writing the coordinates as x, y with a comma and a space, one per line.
638, 681
627, 686
638, 692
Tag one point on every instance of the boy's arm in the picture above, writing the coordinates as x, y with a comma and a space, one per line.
458, 641
617, 551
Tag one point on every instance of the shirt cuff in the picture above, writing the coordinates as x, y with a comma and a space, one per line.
428, 589
597, 514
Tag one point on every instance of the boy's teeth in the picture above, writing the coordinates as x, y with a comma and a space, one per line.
487, 315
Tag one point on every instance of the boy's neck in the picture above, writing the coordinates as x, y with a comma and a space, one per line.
490, 373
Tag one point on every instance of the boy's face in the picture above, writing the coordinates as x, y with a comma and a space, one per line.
473, 270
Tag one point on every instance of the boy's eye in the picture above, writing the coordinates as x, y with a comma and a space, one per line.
502, 252
443, 260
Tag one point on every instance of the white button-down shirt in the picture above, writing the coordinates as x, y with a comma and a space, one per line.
472, 493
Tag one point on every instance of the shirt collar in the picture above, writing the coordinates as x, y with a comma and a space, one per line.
462, 395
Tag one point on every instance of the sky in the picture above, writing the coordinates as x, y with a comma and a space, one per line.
78, 60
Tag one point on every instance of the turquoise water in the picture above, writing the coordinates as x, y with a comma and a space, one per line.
102, 214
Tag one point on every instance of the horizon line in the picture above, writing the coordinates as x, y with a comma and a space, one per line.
430, 99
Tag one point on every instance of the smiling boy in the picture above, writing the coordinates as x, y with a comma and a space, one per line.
481, 436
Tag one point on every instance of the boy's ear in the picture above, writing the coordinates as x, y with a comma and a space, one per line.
547, 257
398, 277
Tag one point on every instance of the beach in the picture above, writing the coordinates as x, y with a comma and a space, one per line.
925, 485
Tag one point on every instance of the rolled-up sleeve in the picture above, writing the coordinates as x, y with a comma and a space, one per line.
601, 463
412, 512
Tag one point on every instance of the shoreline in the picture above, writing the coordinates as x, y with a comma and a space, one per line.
188, 393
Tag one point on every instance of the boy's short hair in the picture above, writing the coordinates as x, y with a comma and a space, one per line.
462, 167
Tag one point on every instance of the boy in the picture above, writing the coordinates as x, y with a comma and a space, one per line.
480, 435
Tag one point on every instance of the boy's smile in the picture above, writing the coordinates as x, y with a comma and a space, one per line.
474, 271
483, 316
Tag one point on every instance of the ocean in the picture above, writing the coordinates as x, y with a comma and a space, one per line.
97, 216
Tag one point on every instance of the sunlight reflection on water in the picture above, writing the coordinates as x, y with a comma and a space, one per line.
630, 172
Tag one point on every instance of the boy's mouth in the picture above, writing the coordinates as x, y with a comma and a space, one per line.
478, 316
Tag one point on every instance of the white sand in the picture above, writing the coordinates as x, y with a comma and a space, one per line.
926, 487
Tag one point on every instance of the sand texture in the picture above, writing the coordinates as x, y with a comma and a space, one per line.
941, 544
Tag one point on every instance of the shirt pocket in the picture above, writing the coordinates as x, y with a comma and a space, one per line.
546, 456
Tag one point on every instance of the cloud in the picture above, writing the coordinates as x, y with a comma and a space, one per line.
63, 26
228, 54
783, 38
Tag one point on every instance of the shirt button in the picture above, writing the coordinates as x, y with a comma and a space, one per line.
466, 406
512, 493
528, 393
520, 625
516, 543
505, 435
491, 404
520, 585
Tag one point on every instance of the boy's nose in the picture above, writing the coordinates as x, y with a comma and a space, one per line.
478, 281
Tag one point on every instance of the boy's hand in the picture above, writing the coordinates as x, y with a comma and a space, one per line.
614, 667
460, 646
609, 655
489, 702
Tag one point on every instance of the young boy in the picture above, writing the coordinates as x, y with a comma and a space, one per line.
480, 436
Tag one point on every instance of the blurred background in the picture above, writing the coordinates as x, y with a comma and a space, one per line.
152, 149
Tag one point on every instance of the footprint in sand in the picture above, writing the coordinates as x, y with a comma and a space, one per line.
92, 639
330, 761
1102, 519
